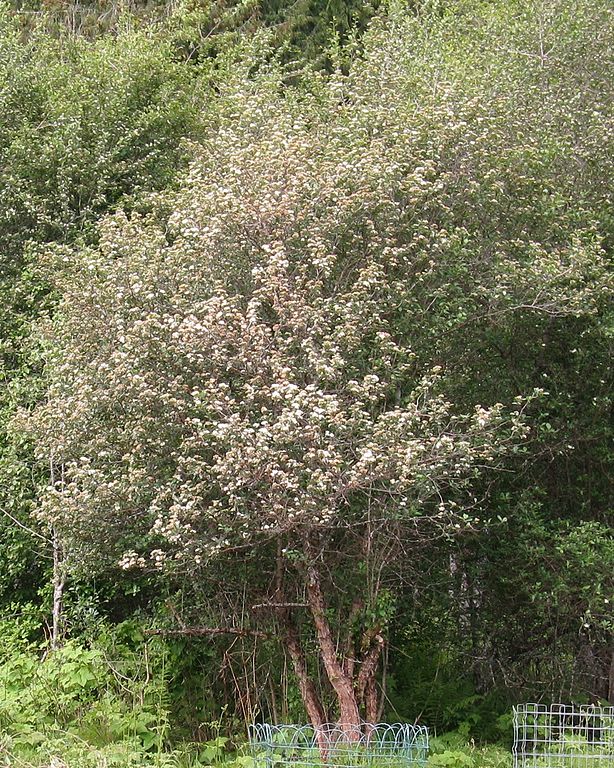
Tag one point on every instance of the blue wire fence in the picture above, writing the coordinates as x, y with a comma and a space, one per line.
379, 745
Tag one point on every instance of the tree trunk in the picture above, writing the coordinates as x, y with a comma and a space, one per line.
309, 694
371, 702
58, 592
366, 688
349, 715
58, 571
352, 677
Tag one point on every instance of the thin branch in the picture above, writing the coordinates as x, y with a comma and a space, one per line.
31, 531
206, 631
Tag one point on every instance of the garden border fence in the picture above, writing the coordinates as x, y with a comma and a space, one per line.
371, 745
563, 736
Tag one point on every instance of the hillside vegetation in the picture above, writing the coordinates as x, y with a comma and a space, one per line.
306, 404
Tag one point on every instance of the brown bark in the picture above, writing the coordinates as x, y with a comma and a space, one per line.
369, 665
59, 577
371, 701
309, 694
349, 660
349, 714
291, 639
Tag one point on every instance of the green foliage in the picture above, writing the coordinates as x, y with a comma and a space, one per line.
83, 127
450, 759
429, 680
99, 695
299, 332
19, 626
313, 29
465, 756
303, 33
86, 125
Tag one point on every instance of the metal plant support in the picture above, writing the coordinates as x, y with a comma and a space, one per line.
380, 745
563, 736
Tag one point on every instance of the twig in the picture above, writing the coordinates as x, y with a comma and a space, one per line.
205, 631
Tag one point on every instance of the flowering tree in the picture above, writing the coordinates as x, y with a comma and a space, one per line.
244, 373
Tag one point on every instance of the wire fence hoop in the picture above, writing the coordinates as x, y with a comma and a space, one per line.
368, 745
563, 736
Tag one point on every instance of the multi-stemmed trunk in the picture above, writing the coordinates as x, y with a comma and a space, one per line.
352, 679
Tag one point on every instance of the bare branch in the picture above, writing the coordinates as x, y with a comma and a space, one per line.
208, 631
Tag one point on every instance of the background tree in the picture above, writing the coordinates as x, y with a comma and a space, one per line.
84, 128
